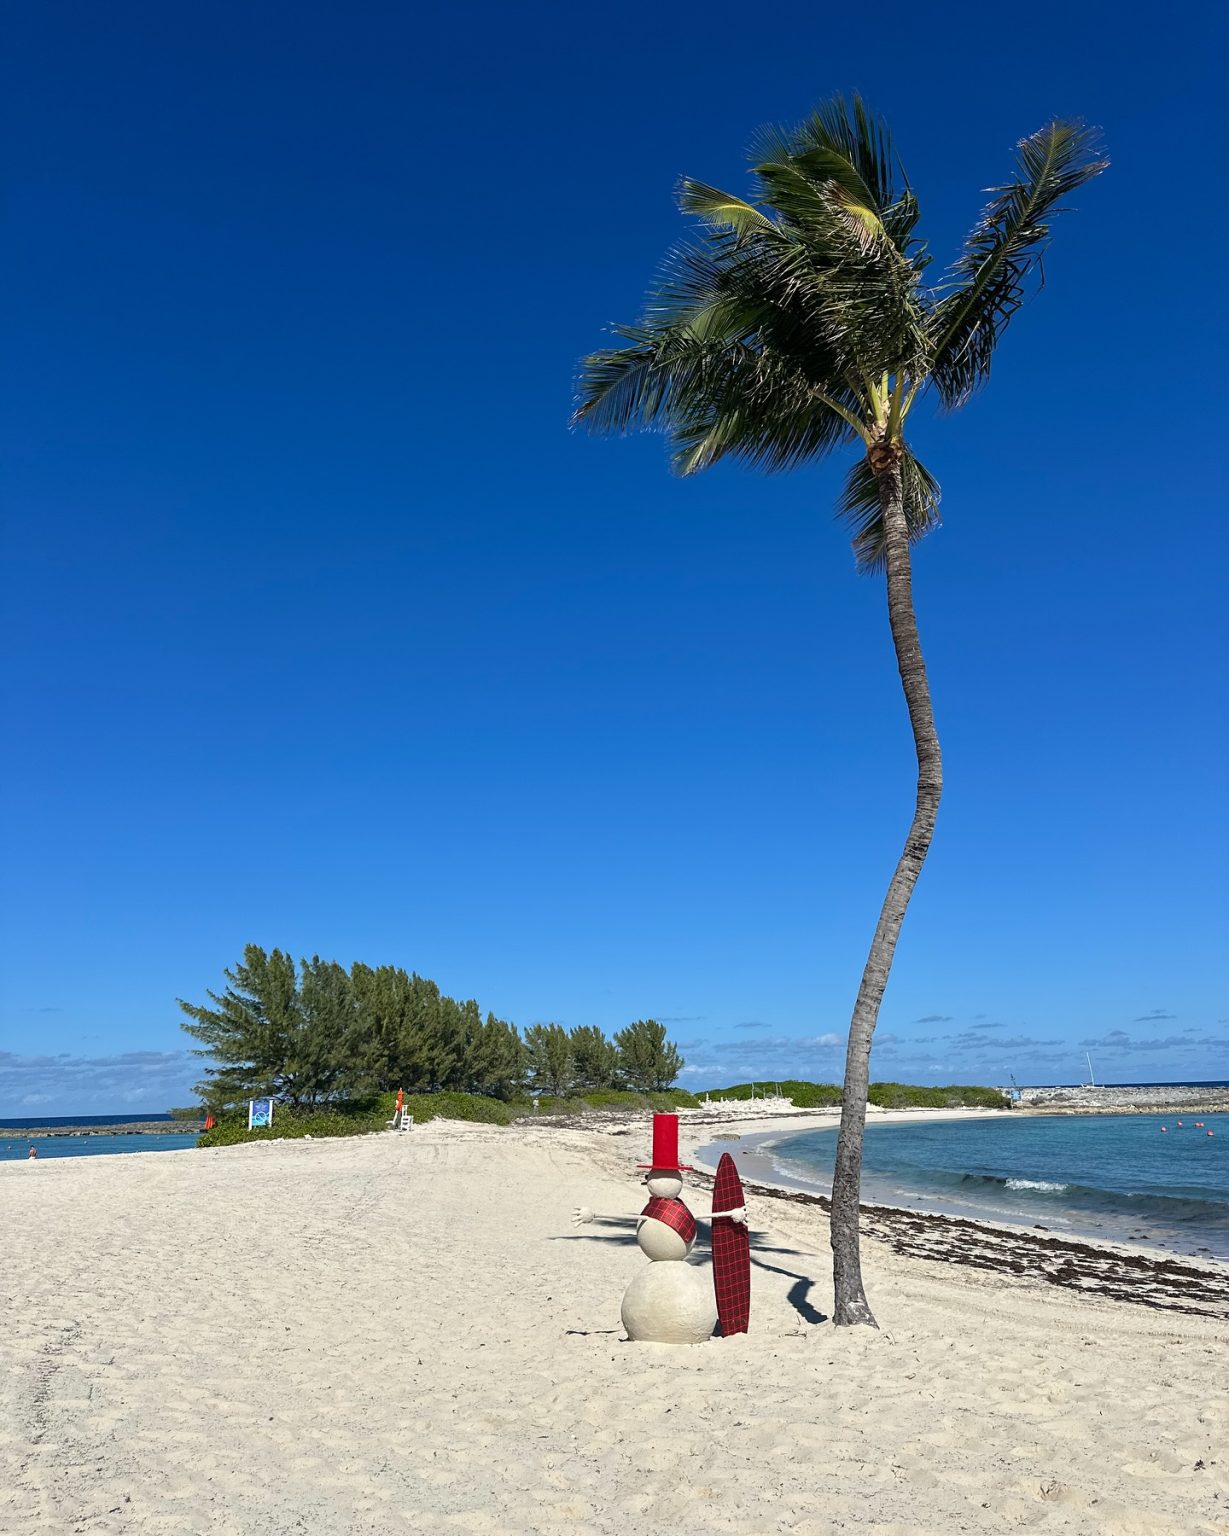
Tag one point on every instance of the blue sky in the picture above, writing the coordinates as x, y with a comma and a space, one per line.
322, 631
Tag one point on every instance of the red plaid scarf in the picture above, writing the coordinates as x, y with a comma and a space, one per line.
675, 1214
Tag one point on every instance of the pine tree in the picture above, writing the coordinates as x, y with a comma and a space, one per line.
318, 1032
328, 1046
381, 995
258, 1033
595, 1061
549, 1054
497, 1060
647, 1060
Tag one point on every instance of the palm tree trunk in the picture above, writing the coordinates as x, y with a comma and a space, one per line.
850, 1298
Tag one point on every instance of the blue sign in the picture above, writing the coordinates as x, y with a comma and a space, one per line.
260, 1113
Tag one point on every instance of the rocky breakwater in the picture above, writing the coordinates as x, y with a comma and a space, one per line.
131, 1128
1117, 1100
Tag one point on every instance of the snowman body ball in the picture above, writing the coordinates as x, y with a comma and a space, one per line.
670, 1302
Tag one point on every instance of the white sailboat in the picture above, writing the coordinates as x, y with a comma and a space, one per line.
1092, 1081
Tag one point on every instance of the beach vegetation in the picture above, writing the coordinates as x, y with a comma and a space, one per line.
620, 1099
344, 1117
313, 1035
362, 1115
801, 1094
374, 1112
595, 1059
548, 1055
647, 1059
954, 1096
800, 321
357, 1117
276, 1029
804, 1095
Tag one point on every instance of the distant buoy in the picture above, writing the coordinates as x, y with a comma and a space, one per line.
1164, 1128
1211, 1133
1179, 1122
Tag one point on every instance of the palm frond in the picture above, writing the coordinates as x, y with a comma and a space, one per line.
848, 130
792, 315
859, 218
721, 210
1001, 251
841, 151
860, 509
755, 407
621, 388
900, 220
714, 398
838, 300
803, 202
702, 289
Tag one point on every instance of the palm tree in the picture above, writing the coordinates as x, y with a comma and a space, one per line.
797, 323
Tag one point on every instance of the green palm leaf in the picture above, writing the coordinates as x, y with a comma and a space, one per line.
1004, 247
860, 508
848, 130
721, 210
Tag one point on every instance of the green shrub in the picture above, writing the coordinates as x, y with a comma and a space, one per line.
459, 1106
357, 1117
608, 1098
883, 1095
348, 1117
672, 1098
802, 1095
955, 1096
664, 1101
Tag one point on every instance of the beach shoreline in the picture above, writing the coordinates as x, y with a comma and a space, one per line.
758, 1163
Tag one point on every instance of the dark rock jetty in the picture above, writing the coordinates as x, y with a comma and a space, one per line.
132, 1128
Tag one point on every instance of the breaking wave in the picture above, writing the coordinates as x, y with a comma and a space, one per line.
1113, 1177
1180, 1208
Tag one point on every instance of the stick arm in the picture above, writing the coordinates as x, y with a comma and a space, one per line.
738, 1215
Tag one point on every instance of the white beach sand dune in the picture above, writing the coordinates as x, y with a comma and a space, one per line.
405, 1333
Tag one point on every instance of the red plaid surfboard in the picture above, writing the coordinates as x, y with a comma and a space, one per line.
731, 1252
675, 1214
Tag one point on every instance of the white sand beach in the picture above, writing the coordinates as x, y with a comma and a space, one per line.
406, 1333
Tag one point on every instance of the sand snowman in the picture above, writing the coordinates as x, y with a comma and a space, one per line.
670, 1302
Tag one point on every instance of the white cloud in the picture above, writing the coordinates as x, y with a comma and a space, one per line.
154, 1080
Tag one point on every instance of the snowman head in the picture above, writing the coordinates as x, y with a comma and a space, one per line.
665, 1183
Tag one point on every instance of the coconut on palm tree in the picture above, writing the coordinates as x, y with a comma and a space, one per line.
798, 322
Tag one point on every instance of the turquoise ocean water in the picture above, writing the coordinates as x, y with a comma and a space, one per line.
91, 1146
1116, 1177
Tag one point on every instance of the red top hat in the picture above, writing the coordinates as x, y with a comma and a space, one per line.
666, 1145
